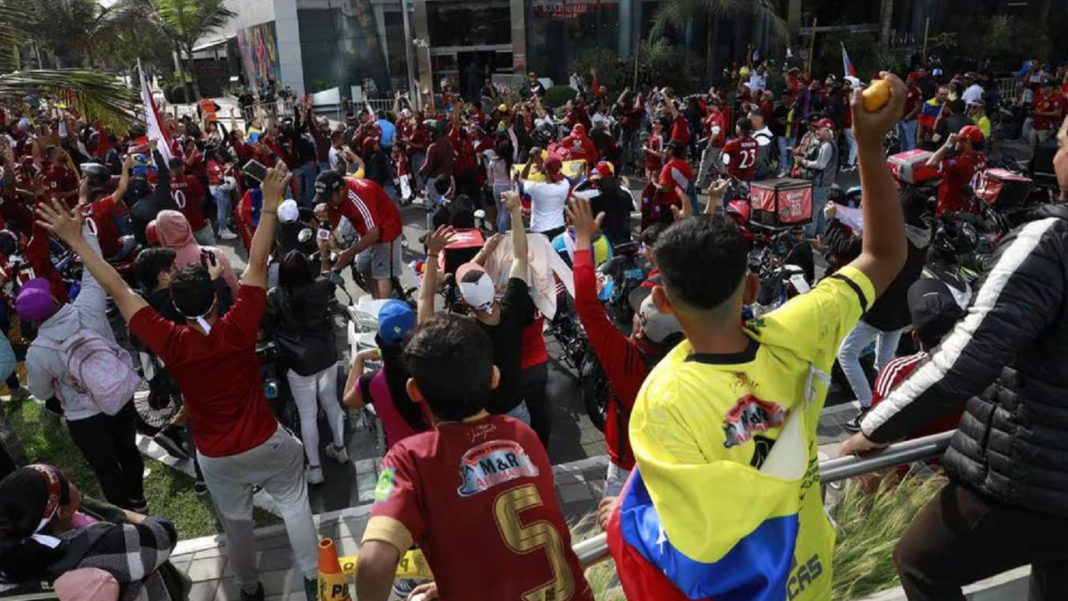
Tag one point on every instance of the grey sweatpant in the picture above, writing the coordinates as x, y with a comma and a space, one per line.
278, 466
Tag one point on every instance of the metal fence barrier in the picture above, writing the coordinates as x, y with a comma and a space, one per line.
595, 549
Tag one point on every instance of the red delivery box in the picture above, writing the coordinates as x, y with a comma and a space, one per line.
1003, 187
911, 167
781, 202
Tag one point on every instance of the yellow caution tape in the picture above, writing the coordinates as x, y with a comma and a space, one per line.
412, 565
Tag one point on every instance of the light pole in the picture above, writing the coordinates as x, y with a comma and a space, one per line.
409, 57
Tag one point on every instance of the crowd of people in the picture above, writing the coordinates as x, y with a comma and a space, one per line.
700, 399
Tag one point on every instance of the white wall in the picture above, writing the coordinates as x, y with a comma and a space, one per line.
284, 14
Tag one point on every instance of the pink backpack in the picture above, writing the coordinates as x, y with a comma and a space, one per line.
99, 368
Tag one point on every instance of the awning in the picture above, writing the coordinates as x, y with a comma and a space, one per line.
213, 43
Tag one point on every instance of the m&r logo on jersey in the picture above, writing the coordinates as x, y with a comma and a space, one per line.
492, 463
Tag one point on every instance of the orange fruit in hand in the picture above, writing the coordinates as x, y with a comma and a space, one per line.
875, 96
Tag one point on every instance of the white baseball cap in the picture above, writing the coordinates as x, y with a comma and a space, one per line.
288, 212
476, 287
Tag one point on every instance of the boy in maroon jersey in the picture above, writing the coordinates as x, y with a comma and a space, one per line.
739, 154
476, 491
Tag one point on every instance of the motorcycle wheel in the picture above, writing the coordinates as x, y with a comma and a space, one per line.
595, 391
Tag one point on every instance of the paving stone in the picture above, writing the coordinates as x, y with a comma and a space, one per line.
276, 559
228, 590
207, 553
276, 541
210, 568
354, 527
567, 478
203, 591
366, 466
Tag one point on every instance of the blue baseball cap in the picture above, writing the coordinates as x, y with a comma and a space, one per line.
395, 320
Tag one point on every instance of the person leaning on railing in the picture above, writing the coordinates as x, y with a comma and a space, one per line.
1006, 502
725, 500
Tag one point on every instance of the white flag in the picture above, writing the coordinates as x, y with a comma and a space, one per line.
854, 218
153, 124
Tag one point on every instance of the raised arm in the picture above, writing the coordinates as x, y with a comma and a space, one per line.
519, 235
936, 159
435, 244
884, 247
67, 225
124, 181
273, 187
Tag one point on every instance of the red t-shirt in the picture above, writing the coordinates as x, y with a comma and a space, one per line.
188, 194
218, 373
957, 174
653, 160
215, 173
195, 165
367, 207
1053, 102
534, 351
680, 130
913, 98
894, 373
100, 216
60, 179
479, 499
739, 156
580, 149
715, 119
675, 174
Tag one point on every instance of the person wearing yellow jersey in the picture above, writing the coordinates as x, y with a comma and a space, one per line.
725, 499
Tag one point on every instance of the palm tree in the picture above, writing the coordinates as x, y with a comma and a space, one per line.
679, 13
70, 28
185, 22
96, 95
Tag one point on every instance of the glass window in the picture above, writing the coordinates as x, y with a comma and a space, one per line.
469, 23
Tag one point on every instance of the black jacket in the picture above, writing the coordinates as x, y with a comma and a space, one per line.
1012, 447
299, 321
145, 209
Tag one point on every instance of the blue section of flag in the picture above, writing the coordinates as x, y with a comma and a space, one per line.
755, 569
847, 65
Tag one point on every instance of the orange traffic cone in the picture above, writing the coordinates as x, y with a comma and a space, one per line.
333, 586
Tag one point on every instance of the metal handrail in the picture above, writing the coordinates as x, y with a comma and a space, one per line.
595, 549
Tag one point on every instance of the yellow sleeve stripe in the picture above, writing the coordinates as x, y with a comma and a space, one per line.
389, 530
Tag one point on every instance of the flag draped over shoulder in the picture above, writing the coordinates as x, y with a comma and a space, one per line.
153, 123
674, 538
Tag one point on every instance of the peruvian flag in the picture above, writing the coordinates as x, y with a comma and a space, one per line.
153, 123
847, 65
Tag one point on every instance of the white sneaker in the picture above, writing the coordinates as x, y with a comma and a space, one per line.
338, 454
225, 234
315, 475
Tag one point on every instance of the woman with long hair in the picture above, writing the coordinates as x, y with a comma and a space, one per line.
298, 319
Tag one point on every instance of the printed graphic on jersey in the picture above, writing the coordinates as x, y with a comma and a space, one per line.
492, 463
750, 415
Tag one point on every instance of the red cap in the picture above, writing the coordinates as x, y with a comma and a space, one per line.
150, 233
553, 164
972, 134
579, 130
602, 170
913, 75
825, 123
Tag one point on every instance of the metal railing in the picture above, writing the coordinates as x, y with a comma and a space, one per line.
595, 549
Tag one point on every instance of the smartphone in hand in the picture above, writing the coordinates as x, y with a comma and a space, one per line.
256, 170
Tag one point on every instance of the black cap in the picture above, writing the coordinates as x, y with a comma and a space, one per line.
933, 308
326, 184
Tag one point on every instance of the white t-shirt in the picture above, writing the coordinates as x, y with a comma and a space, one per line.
757, 82
974, 93
547, 202
763, 136
335, 156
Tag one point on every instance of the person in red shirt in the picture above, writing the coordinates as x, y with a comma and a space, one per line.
105, 213
579, 145
680, 128
676, 179
189, 194
62, 182
194, 160
238, 440
478, 480
716, 132
907, 127
740, 153
625, 360
376, 219
1048, 106
654, 152
958, 171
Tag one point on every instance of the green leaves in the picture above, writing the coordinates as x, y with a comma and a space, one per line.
676, 13
93, 94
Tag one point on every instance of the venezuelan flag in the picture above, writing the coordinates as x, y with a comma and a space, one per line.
722, 531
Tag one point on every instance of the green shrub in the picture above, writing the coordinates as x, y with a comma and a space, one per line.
557, 96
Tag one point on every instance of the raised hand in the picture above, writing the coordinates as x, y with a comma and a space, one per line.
510, 199
274, 185
870, 127
437, 241
55, 217
583, 220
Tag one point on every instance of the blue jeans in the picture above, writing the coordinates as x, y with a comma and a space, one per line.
819, 222
784, 155
305, 176
521, 413
851, 139
504, 219
222, 207
853, 346
906, 132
